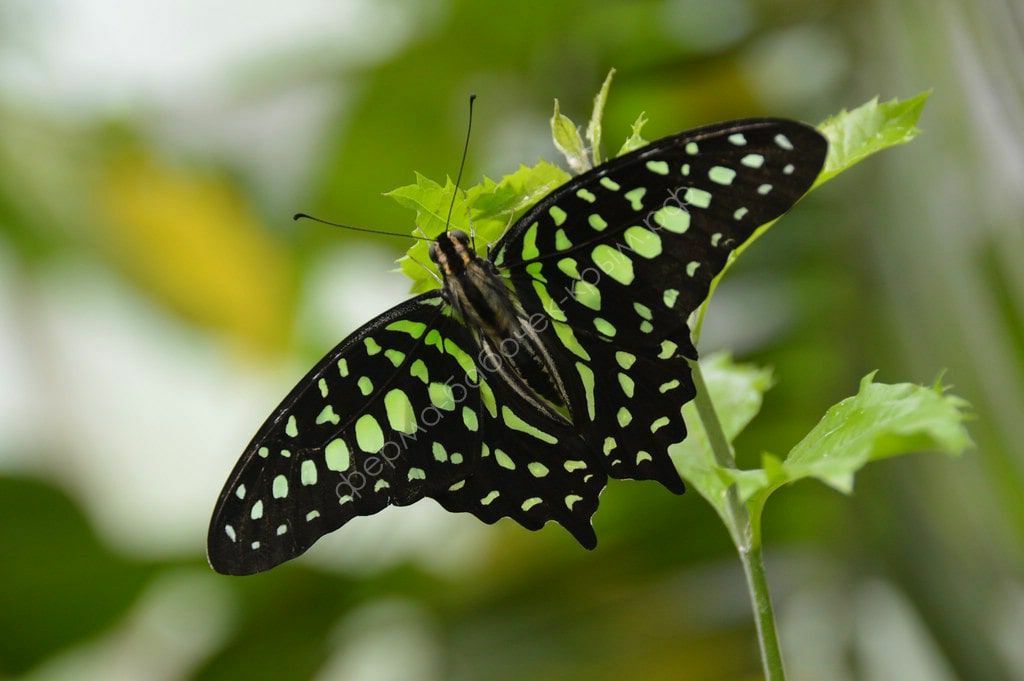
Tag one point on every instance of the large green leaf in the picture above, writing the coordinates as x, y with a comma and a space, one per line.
880, 421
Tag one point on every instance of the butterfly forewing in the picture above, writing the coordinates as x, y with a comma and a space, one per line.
346, 442
624, 253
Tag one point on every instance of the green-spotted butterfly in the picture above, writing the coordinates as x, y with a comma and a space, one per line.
533, 374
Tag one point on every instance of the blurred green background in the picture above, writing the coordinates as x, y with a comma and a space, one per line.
156, 301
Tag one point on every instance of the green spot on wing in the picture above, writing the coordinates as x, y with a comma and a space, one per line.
721, 175
365, 385
280, 487
418, 369
569, 268
635, 197
548, 303
369, 436
487, 399
292, 428
504, 460
434, 338
462, 357
414, 329
673, 218
530, 503
697, 197
441, 396
568, 338
327, 415
371, 346
562, 242
395, 356
307, 473
627, 385
659, 167
469, 418
587, 377
613, 263
439, 452
530, 250
401, 416
604, 327
586, 294
643, 242
752, 160
557, 214
515, 423
537, 469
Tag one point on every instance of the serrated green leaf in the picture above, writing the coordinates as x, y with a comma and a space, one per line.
484, 210
737, 391
431, 200
868, 129
594, 127
514, 193
880, 421
635, 139
568, 141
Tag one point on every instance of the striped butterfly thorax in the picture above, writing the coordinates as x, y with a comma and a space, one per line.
532, 376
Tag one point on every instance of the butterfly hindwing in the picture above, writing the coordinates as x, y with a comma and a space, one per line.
622, 254
533, 468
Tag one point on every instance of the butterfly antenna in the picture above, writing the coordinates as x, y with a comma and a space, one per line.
462, 163
304, 216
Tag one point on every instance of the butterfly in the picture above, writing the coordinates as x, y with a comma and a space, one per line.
537, 371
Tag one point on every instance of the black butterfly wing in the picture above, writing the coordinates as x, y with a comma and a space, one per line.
621, 255
396, 412
346, 442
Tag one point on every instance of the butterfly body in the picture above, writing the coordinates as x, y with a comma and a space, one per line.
531, 377
511, 344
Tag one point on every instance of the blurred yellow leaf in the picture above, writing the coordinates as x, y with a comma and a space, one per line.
191, 241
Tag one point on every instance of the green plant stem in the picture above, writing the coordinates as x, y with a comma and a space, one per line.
740, 526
